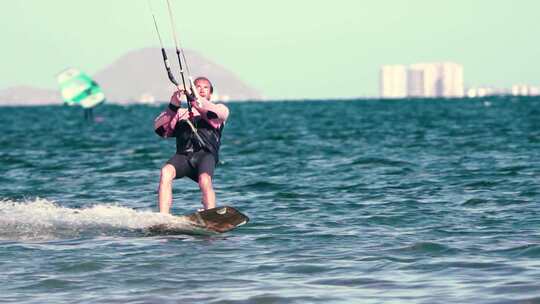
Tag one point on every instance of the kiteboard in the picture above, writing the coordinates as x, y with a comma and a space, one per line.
211, 221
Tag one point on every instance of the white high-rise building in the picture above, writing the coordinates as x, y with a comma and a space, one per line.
422, 80
393, 81
415, 83
435, 80
525, 90
451, 80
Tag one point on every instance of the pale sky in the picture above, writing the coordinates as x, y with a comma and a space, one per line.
284, 48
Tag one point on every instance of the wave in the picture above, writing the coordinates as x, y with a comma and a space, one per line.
428, 248
528, 250
41, 219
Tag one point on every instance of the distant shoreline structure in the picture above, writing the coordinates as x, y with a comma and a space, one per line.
138, 77
300, 100
438, 80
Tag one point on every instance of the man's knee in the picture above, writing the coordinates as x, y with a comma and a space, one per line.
168, 172
205, 181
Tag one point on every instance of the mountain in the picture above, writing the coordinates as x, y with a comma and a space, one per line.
141, 73
140, 76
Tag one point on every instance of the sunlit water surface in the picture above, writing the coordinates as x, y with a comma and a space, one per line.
431, 201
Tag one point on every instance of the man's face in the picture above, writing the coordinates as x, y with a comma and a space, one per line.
203, 87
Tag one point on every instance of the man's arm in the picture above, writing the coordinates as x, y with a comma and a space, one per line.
166, 121
215, 114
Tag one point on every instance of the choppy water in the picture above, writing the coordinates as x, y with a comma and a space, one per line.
351, 202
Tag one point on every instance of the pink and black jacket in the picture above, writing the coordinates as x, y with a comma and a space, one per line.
209, 120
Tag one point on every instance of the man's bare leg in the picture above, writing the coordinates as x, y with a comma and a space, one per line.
207, 191
168, 172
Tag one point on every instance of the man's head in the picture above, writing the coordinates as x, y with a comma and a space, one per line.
204, 87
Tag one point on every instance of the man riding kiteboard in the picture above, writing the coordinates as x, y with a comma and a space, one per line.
198, 139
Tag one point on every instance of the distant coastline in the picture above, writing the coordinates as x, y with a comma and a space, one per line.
138, 77
299, 100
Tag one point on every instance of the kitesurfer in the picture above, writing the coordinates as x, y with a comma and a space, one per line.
198, 140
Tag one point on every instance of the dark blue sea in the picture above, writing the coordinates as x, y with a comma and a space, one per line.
359, 201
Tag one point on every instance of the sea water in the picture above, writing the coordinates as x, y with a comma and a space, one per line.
411, 201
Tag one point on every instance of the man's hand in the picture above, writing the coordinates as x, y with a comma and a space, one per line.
192, 98
176, 98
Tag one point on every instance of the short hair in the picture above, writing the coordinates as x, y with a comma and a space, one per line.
202, 78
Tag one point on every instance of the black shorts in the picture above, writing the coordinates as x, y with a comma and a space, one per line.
193, 165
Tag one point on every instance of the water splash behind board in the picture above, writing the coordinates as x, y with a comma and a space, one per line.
40, 219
